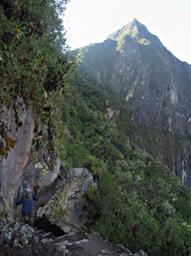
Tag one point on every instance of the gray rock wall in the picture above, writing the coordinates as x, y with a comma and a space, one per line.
12, 167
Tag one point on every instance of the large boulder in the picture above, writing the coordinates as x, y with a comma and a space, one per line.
68, 205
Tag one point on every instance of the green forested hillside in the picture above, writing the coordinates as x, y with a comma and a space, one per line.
32, 46
138, 202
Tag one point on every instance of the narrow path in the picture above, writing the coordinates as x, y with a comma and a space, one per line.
79, 244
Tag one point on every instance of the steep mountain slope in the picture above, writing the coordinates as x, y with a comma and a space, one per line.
156, 85
138, 202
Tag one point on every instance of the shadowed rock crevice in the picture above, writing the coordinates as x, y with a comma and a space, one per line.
44, 224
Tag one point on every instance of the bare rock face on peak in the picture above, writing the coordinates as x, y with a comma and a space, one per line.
156, 86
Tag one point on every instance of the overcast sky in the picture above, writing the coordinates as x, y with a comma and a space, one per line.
91, 21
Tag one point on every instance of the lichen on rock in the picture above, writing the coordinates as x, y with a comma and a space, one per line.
68, 205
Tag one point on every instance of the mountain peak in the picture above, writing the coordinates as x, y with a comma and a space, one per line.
134, 29
137, 31
135, 22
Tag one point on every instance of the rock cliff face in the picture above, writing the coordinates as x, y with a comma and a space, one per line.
13, 165
156, 85
27, 161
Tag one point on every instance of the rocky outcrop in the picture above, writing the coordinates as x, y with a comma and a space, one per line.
21, 131
29, 160
22, 240
68, 205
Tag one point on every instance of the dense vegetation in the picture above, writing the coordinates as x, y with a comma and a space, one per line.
33, 61
139, 202
32, 45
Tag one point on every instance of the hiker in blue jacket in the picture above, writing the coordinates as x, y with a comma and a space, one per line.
28, 206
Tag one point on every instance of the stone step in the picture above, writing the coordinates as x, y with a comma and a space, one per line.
39, 232
63, 243
47, 235
81, 241
60, 238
